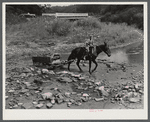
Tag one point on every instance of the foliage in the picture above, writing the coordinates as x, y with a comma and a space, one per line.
88, 22
59, 27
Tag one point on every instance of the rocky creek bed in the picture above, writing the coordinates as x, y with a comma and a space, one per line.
114, 85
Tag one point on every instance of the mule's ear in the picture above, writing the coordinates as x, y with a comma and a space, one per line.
105, 43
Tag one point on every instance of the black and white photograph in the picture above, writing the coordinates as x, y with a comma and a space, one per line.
74, 60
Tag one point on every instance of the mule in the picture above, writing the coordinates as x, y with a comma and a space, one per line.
80, 52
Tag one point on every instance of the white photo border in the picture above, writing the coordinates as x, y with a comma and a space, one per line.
76, 114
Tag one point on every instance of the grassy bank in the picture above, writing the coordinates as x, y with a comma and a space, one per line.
44, 36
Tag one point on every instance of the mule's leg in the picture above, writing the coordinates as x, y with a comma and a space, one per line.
90, 65
78, 61
95, 65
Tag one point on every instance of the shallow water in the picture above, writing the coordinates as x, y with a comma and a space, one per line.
128, 54
132, 54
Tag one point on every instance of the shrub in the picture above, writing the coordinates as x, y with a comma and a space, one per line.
59, 27
88, 22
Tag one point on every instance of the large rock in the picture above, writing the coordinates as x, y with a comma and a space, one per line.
27, 106
24, 91
69, 104
98, 83
27, 84
130, 94
59, 95
49, 105
39, 106
84, 99
103, 92
38, 82
15, 106
51, 72
26, 70
11, 91
72, 100
47, 96
23, 75
35, 103
98, 99
134, 100
126, 88
6, 97
53, 101
65, 80
81, 78
45, 71
59, 101
63, 72
73, 93
85, 95
67, 94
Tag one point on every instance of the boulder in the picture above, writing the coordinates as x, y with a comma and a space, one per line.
67, 94
73, 93
45, 71
141, 92
49, 105
85, 95
35, 103
51, 72
27, 106
26, 70
15, 106
97, 83
136, 86
103, 92
20, 104
59, 95
65, 80
84, 99
98, 99
22, 75
24, 91
47, 95
126, 88
11, 91
134, 100
53, 101
39, 106
69, 104
59, 101
6, 97
27, 84
39, 72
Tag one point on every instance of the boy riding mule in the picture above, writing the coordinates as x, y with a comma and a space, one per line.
80, 52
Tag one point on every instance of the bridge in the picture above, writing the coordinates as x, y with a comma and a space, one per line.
71, 16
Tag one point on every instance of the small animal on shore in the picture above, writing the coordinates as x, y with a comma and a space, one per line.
80, 52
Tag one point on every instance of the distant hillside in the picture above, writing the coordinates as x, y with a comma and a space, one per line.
129, 14
13, 12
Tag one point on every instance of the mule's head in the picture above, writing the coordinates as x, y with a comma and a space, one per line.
106, 49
